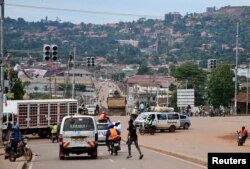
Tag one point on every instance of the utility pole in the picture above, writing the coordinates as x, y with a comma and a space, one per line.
73, 84
1, 73
236, 69
247, 98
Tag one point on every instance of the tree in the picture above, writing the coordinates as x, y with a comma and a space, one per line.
193, 77
18, 90
221, 86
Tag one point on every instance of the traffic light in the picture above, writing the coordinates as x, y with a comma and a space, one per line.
46, 52
88, 61
92, 61
213, 63
54, 52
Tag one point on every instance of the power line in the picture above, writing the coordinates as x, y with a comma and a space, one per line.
84, 11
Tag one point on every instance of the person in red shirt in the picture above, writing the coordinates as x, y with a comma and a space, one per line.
244, 132
103, 117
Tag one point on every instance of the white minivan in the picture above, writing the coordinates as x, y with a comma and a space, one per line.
164, 120
78, 135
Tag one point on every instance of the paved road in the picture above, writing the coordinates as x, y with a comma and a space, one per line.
48, 158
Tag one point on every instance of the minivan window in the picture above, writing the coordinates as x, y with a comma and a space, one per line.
78, 124
162, 116
173, 116
182, 117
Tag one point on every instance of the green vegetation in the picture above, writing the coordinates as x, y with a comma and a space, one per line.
194, 37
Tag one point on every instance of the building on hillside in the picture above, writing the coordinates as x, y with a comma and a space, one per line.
148, 89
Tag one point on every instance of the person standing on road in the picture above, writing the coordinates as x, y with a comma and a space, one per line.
132, 137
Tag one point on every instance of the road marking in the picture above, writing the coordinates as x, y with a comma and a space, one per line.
31, 164
186, 161
112, 161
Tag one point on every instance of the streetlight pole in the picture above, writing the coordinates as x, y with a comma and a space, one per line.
236, 69
1, 62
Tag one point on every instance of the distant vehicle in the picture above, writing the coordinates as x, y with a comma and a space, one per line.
116, 103
102, 130
165, 120
185, 121
37, 116
90, 108
78, 135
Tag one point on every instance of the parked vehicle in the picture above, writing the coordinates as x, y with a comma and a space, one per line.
22, 150
102, 130
37, 116
78, 135
164, 121
185, 121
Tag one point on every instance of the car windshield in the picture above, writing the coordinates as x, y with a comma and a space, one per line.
102, 126
142, 116
78, 124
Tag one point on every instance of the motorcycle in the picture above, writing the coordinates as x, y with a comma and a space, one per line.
22, 150
54, 137
115, 147
240, 139
147, 129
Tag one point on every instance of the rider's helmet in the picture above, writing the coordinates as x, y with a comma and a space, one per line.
243, 127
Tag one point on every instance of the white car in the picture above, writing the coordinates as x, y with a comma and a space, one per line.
90, 108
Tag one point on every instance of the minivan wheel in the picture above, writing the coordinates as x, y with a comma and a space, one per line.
172, 129
186, 126
94, 154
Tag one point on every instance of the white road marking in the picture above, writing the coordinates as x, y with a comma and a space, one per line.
186, 161
112, 161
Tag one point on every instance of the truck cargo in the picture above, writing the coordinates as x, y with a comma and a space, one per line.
37, 116
116, 102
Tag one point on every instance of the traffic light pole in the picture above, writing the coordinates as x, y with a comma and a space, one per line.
1, 73
73, 84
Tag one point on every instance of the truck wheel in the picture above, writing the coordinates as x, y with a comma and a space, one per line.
43, 135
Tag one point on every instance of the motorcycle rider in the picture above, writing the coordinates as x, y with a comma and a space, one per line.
112, 135
54, 131
103, 117
15, 137
151, 122
244, 132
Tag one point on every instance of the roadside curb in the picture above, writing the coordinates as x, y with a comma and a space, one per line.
177, 155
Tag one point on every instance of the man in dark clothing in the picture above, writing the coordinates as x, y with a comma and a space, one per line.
132, 137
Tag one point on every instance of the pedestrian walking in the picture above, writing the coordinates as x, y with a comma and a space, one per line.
132, 137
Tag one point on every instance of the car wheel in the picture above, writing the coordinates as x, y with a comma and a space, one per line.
172, 129
94, 154
186, 126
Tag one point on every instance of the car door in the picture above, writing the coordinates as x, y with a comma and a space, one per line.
161, 121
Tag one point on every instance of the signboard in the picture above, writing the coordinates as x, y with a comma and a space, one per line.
185, 97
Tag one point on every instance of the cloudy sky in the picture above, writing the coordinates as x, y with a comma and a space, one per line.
108, 11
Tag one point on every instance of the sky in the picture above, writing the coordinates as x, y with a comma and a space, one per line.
108, 11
